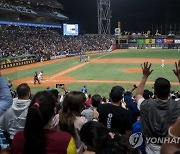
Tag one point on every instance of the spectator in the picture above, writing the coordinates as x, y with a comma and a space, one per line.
157, 114
147, 94
55, 120
113, 116
104, 100
88, 101
37, 137
131, 104
5, 95
99, 140
14, 118
96, 101
45, 43
70, 116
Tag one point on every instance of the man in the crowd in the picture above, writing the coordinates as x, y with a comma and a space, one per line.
96, 101
113, 116
157, 114
14, 118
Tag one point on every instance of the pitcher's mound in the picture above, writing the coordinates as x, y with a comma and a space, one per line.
132, 70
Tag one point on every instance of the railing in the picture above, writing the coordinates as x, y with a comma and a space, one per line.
18, 63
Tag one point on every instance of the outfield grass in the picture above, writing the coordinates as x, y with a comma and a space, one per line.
115, 72
167, 54
105, 71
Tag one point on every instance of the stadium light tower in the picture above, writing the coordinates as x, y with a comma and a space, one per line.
104, 16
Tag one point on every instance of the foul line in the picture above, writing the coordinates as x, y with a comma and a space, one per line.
76, 67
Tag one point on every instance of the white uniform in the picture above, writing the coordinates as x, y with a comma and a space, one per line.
40, 76
162, 63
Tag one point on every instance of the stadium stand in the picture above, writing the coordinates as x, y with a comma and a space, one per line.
47, 43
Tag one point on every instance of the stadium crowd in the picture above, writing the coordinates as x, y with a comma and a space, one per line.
21, 40
49, 122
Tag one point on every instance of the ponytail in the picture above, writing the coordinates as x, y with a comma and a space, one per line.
39, 114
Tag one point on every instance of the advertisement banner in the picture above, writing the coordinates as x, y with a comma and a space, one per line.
159, 41
132, 41
141, 41
150, 41
168, 41
177, 41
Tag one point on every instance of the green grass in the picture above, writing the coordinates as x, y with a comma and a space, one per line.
168, 54
49, 69
105, 71
115, 72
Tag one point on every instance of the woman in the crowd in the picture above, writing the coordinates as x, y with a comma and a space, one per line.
37, 137
70, 116
99, 140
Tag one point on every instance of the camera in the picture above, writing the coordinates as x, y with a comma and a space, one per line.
59, 85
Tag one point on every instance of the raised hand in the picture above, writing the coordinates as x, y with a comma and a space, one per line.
177, 70
146, 68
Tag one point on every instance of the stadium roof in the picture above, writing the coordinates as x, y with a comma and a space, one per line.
50, 3
35, 8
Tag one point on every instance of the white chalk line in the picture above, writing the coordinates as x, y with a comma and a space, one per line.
76, 67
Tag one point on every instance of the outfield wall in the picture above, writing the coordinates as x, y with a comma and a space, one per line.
145, 43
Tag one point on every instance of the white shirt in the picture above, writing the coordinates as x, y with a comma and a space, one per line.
140, 102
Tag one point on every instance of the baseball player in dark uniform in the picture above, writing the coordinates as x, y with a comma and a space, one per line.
36, 78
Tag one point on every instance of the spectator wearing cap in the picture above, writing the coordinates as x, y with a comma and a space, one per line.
113, 116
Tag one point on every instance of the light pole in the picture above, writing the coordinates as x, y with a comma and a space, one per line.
104, 16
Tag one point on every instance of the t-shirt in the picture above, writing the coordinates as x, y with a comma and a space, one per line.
88, 102
57, 142
157, 116
88, 113
115, 117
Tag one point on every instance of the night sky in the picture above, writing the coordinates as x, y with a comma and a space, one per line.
134, 15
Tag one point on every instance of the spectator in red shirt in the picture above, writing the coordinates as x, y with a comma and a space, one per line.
37, 137
89, 101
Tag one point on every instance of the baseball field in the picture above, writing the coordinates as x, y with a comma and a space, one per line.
120, 67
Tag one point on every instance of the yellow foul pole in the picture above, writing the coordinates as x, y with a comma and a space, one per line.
119, 32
